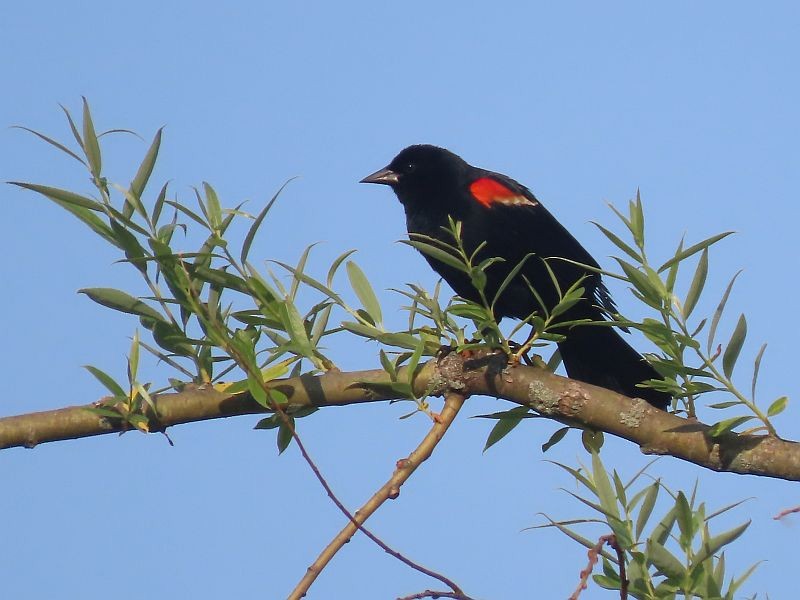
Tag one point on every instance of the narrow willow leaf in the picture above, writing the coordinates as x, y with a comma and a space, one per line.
53, 142
637, 220
778, 406
694, 249
133, 249
72, 126
734, 346
673, 270
212, 206
295, 327
335, 267
107, 381
713, 545
640, 281
143, 174
723, 427
301, 267
505, 425
604, 491
251, 233
724, 405
619, 243
284, 436
77, 206
664, 561
756, 368
133, 359
313, 283
61, 196
697, 285
364, 291
438, 254
189, 213
159, 204
388, 365
718, 313
557, 436
221, 278
119, 300
90, 144
647, 508
510, 277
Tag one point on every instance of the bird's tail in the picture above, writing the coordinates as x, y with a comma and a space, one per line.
598, 355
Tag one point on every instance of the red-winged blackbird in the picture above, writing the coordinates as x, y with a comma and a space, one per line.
433, 184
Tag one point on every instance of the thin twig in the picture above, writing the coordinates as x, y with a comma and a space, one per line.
786, 512
390, 490
435, 594
594, 554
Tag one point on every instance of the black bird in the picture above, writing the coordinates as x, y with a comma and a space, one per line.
433, 184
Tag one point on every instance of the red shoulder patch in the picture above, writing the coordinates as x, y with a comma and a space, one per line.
489, 191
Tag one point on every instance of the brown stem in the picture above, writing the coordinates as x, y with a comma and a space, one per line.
390, 490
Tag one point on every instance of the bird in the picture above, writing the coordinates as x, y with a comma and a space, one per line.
502, 218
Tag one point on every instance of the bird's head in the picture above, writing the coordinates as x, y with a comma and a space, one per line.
419, 174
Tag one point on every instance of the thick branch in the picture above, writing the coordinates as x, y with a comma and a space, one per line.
654, 431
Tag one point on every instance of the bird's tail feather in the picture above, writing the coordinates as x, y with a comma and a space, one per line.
598, 355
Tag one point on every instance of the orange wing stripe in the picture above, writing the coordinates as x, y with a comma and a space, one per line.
488, 191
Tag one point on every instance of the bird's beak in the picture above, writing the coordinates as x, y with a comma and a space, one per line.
385, 176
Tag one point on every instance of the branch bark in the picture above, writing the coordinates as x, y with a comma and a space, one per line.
485, 373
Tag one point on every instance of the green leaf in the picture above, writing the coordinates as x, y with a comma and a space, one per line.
756, 368
734, 346
61, 196
694, 249
335, 266
641, 282
388, 365
605, 493
619, 243
592, 440
221, 278
505, 425
718, 313
296, 329
557, 436
673, 270
778, 406
697, 285
143, 176
713, 545
647, 508
510, 277
637, 220
718, 429
52, 142
284, 436
213, 207
313, 282
90, 144
438, 254
251, 233
364, 291
133, 359
107, 381
664, 561
119, 300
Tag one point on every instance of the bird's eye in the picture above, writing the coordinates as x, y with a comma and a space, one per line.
411, 167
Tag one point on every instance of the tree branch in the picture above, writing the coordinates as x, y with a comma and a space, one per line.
485, 373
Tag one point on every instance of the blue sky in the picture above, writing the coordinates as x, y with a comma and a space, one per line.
695, 104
